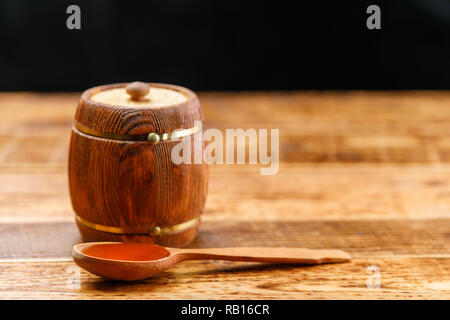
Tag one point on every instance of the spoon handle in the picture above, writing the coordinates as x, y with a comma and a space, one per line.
266, 254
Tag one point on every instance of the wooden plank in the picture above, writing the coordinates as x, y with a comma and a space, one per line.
307, 109
297, 192
49, 145
226, 108
338, 192
37, 240
350, 127
28, 197
400, 278
378, 238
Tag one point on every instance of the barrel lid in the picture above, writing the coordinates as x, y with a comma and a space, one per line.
138, 94
133, 111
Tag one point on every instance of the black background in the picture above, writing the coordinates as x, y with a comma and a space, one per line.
225, 45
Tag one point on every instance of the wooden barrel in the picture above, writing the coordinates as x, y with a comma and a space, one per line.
124, 185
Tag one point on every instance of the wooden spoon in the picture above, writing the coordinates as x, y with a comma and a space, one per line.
137, 270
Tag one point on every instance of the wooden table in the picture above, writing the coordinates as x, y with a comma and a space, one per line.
367, 172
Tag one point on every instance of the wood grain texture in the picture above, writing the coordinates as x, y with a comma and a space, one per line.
330, 127
130, 184
299, 191
369, 238
406, 278
367, 172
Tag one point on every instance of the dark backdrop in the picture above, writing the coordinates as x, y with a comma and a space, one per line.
226, 45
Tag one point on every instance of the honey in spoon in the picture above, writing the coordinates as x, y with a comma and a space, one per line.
127, 251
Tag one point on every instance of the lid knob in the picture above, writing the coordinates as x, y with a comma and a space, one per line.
137, 90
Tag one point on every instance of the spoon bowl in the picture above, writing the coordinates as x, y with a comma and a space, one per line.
127, 269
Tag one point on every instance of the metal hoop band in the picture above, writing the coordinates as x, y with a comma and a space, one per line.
142, 230
151, 137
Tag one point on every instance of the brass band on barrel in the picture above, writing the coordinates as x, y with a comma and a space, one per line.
151, 137
143, 230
